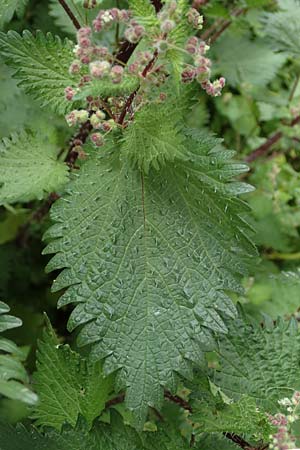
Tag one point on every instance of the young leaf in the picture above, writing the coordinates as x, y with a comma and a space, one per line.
142, 253
41, 65
154, 137
283, 28
241, 417
260, 362
29, 168
67, 385
240, 60
13, 376
144, 11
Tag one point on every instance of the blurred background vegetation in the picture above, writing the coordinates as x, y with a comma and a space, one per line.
258, 116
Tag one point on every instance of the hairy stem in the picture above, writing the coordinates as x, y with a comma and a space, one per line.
70, 14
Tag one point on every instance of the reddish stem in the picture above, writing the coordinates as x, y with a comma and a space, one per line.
70, 14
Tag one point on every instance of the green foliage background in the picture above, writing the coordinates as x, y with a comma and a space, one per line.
259, 56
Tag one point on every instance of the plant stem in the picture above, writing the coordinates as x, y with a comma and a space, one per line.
70, 14
226, 24
273, 139
294, 88
284, 256
178, 400
133, 94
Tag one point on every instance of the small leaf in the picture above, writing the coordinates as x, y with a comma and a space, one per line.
41, 64
29, 168
67, 385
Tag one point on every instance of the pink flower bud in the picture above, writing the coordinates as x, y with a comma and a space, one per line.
167, 25
75, 67
95, 121
97, 24
85, 59
71, 118
130, 35
84, 42
97, 139
124, 15
203, 74
116, 74
188, 75
194, 18
100, 51
191, 45
162, 96
106, 126
99, 69
133, 68
203, 48
222, 82
84, 32
139, 30
69, 93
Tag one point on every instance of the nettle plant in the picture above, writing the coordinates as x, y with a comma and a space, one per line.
151, 240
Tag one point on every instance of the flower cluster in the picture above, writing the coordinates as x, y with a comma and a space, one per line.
148, 68
200, 69
107, 17
283, 438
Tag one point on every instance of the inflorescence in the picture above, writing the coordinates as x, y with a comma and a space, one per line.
283, 439
150, 68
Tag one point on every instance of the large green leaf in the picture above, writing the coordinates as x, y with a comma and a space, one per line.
115, 436
29, 167
41, 65
260, 362
148, 261
67, 385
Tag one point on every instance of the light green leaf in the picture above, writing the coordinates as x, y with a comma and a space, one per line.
142, 253
241, 417
155, 137
67, 385
240, 61
260, 362
29, 168
283, 27
144, 11
41, 64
